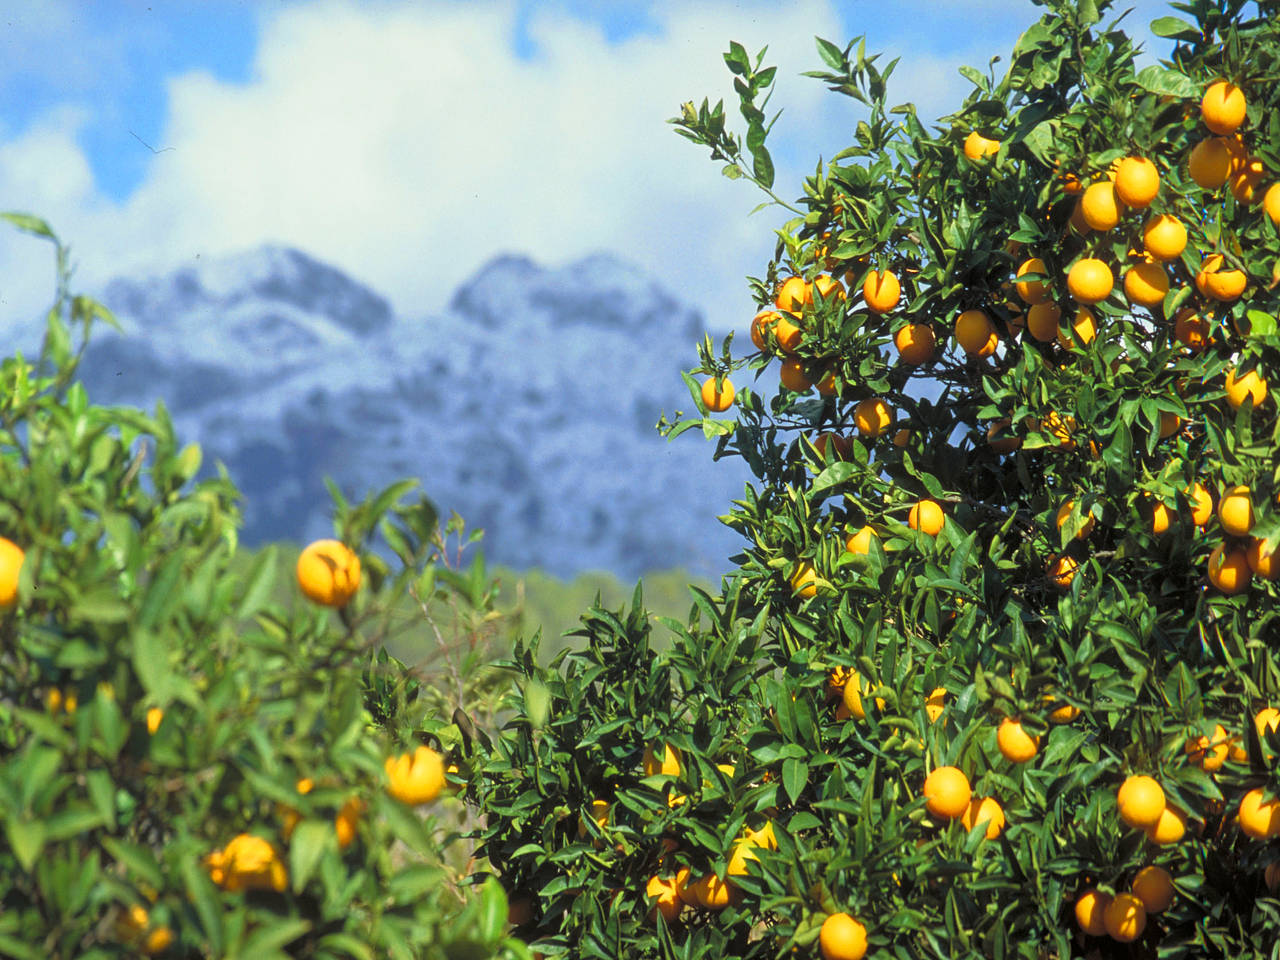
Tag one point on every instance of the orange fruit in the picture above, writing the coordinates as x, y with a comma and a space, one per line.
11, 558
1154, 887
999, 439
841, 446
1223, 107
927, 516
947, 793
1145, 284
827, 385
902, 437
1267, 720
666, 898
860, 542
786, 333
873, 417
1191, 330
668, 765
417, 777
1235, 511
1062, 570
976, 146
1170, 828
826, 288
1161, 518
599, 813
1262, 562
1015, 743
1042, 321
1229, 569
1210, 163
1137, 182
1201, 503
1164, 237
1259, 815
851, 698
1077, 222
760, 325
1271, 203
1090, 281
976, 334
803, 581
158, 940
1032, 291
1100, 206
1244, 179
1170, 423
712, 893
794, 295
984, 810
1071, 185
1082, 333
1209, 753
1061, 428
155, 716
1248, 385
1090, 906
935, 703
1125, 917
1063, 714
1139, 801
842, 938
1064, 514
1218, 284
881, 291
717, 400
328, 572
792, 376
345, 823
915, 343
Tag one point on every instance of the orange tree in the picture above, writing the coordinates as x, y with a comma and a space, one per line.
995, 673
188, 769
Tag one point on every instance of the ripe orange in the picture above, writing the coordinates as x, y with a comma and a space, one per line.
1064, 514
1032, 291
947, 793
793, 377
935, 703
1229, 569
415, 778
976, 146
927, 516
984, 810
345, 823
1137, 182
860, 542
717, 400
1262, 562
827, 385
1170, 423
1248, 385
11, 558
1062, 570
1016, 744
1077, 222
902, 437
787, 333
881, 291
1100, 206
1082, 333
841, 446
1063, 714
1161, 518
873, 417
851, 697
1218, 284
915, 343
1090, 906
669, 764
803, 581
1125, 918
976, 334
1042, 321
1267, 720
666, 898
328, 572
1170, 828
1164, 237
842, 938
1139, 801
157, 941
1000, 439
1235, 511
826, 288
1259, 815
1201, 503
760, 325
1191, 330
1209, 753
1210, 163
1090, 281
1223, 107
794, 295
1154, 887
1245, 178
1271, 203
1145, 284
155, 716
712, 893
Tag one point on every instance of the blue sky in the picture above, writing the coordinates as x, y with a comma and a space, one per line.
391, 137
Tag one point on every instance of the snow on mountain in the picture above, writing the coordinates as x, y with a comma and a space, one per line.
528, 405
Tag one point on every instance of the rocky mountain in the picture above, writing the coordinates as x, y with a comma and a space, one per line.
528, 406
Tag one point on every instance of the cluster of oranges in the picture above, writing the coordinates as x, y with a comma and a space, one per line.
136, 929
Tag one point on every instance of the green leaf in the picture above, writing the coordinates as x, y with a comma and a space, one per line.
307, 845
795, 775
1166, 82
30, 224
27, 838
1174, 29
831, 55
261, 581
269, 938
492, 920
